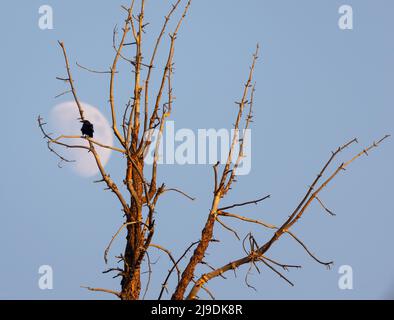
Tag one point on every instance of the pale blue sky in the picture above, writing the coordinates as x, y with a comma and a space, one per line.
317, 87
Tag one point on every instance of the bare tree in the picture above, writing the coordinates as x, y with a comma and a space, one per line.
134, 136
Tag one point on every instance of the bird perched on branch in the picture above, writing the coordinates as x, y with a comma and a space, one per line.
87, 128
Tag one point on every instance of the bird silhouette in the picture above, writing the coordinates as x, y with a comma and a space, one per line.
87, 128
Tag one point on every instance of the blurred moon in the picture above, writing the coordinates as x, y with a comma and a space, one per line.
64, 120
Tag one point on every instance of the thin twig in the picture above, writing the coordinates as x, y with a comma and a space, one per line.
102, 290
164, 285
62, 94
245, 203
325, 208
114, 237
276, 271
168, 252
93, 71
180, 192
149, 275
228, 228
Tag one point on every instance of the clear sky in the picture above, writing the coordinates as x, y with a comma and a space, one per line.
317, 87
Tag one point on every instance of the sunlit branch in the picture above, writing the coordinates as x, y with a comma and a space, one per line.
147, 80
126, 29
88, 139
102, 290
241, 106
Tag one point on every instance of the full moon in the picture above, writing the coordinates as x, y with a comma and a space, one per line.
64, 120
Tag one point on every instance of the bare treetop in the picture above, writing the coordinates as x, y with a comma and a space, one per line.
134, 132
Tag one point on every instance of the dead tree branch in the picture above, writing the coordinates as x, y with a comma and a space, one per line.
219, 192
102, 290
294, 217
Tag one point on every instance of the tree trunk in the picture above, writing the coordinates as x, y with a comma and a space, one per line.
131, 279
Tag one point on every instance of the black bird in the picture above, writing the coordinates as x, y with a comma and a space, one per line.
87, 128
